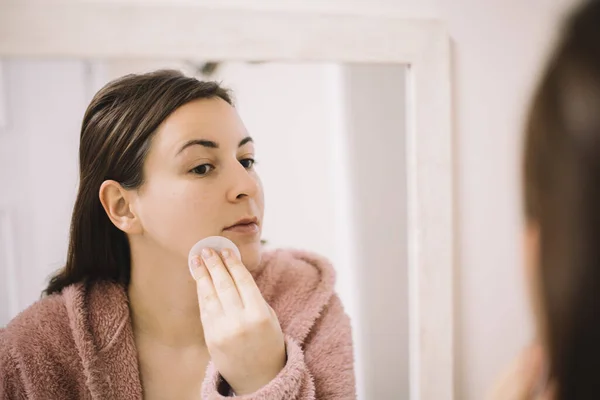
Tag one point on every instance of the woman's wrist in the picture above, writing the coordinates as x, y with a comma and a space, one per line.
256, 383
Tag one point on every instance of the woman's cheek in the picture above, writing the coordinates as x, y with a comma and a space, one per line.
533, 278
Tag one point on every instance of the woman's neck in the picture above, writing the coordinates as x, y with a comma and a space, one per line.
164, 304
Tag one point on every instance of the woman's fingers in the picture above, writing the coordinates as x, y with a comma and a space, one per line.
246, 286
223, 283
207, 295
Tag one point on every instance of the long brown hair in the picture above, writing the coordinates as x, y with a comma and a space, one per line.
562, 197
116, 134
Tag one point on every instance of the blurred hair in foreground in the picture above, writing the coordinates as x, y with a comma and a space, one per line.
562, 198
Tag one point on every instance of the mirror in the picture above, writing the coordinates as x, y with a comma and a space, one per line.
331, 147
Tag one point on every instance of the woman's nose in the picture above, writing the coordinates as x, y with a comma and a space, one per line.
243, 184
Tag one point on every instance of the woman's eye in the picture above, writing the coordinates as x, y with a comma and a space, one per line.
202, 169
248, 162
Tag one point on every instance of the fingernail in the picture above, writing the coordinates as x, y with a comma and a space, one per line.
197, 261
206, 253
226, 253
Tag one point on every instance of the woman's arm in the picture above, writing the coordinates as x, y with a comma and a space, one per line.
323, 370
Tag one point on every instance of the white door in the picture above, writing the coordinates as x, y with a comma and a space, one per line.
43, 103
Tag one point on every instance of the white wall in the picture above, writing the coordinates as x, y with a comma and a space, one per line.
498, 48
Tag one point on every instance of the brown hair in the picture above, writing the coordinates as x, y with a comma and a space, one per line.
116, 134
562, 197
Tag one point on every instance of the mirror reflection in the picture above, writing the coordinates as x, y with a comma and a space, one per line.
329, 145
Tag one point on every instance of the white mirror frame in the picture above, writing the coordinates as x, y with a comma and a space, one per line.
111, 30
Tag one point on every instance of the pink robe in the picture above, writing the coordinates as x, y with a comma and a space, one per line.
80, 343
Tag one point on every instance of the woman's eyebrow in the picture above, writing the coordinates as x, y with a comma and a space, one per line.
245, 140
210, 144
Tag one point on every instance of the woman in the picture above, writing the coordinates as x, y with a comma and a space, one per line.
165, 161
562, 207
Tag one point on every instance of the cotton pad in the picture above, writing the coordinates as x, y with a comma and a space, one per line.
216, 243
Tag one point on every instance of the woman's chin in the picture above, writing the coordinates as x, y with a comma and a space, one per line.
251, 256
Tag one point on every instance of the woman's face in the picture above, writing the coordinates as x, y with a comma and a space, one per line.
199, 181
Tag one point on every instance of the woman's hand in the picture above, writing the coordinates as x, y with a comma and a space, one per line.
242, 332
522, 379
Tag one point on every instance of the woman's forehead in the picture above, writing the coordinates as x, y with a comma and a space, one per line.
213, 120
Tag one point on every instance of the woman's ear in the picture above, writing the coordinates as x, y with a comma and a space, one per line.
117, 205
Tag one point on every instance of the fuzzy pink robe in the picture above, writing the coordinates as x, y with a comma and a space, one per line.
80, 344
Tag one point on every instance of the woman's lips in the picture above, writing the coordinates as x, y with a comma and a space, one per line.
244, 229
